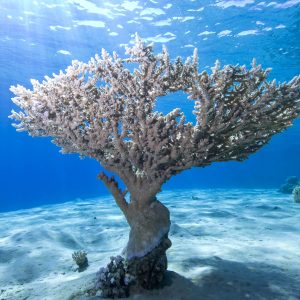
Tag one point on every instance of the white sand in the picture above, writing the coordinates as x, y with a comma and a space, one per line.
227, 244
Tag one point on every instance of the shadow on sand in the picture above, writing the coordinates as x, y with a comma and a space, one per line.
218, 279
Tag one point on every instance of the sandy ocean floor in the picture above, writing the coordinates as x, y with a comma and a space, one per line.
227, 245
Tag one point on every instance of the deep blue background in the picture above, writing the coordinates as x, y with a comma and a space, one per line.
33, 172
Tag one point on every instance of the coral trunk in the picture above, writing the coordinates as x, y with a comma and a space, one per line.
148, 241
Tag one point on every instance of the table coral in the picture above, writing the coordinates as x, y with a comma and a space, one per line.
106, 111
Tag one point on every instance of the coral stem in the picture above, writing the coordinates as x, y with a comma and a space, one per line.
113, 187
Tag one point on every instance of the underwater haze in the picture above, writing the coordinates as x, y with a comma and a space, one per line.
39, 38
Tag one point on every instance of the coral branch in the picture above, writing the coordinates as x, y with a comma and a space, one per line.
113, 187
103, 110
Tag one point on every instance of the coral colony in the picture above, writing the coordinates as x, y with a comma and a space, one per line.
290, 184
81, 260
296, 194
103, 110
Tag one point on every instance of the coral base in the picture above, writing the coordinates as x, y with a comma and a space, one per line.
121, 275
148, 271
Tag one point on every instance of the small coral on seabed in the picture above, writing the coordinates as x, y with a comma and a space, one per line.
80, 258
296, 194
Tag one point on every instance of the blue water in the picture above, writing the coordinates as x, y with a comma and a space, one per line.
39, 38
